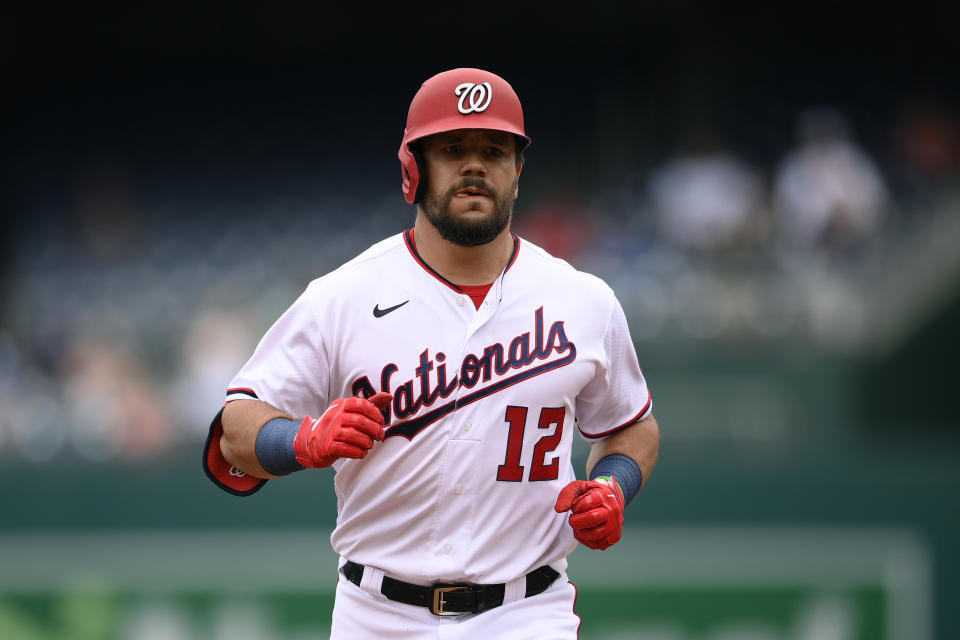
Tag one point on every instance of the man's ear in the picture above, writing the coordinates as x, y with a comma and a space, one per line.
516, 189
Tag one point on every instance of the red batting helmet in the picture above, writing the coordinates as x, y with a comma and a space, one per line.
457, 99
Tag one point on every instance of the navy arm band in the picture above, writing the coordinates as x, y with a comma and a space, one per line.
624, 468
274, 447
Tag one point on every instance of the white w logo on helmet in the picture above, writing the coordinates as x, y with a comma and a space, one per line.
478, 95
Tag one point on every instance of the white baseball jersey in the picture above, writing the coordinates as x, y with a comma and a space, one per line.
485, 404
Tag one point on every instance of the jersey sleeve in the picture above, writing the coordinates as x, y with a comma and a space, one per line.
289, 368
618, 395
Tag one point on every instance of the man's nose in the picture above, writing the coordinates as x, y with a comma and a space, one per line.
473, 165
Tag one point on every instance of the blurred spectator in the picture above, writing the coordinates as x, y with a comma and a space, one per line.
706, 199
562, 225
216, 345
828, 193
928, 141
112, 403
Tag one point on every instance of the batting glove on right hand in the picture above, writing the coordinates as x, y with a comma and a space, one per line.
597, 511
347, 429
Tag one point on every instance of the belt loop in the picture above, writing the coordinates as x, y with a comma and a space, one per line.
372, 581
515, 590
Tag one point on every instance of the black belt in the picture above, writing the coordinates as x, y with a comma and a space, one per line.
452, 598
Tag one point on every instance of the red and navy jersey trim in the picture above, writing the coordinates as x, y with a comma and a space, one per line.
516, 251
412, 248
244, 391
626, 424
408, 239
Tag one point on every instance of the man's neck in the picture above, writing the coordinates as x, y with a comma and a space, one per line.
462, 265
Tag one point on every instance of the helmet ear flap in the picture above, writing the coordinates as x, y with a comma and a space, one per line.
421, 166
409, 174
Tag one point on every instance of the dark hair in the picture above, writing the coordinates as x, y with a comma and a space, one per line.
522, 145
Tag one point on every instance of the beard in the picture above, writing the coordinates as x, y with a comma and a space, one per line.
469, 232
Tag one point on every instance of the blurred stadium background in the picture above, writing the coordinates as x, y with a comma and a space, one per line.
773, 192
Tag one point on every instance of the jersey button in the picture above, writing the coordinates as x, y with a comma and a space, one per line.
467, 426
447, 548
460, 302
458, 489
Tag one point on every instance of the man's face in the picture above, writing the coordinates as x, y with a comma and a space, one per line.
472, 179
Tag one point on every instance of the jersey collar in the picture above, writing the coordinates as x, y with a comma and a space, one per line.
412, 248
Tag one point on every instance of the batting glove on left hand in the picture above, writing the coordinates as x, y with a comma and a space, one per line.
597, 511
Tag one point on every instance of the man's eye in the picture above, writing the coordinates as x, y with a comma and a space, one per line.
451, 148
494, 151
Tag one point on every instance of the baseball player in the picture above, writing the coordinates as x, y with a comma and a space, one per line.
442, 373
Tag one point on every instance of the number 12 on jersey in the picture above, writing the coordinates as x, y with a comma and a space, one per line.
516, 419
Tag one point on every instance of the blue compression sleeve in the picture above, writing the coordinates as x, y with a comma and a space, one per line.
624, 468
274, 447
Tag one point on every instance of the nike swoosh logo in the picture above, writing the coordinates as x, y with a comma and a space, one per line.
379, 313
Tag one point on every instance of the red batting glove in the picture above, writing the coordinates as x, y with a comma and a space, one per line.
346, 429
597, 511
